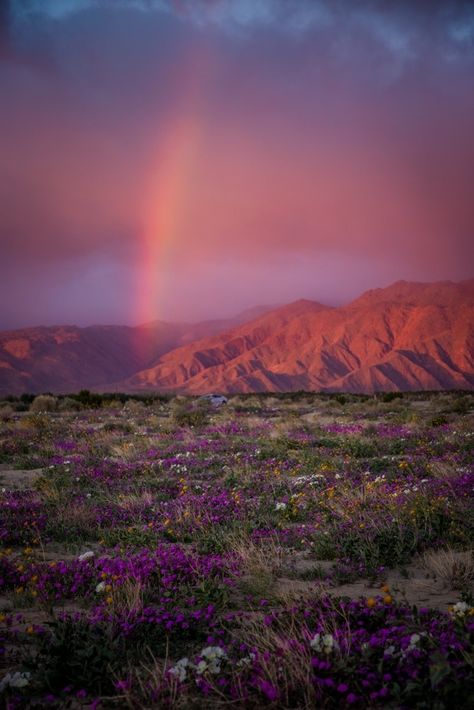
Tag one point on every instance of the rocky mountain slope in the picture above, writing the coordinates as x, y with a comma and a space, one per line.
409, 336
68, 358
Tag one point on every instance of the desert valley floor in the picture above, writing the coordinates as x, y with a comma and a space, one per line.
279, 551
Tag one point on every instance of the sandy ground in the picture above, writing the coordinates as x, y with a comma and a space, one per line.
17, 479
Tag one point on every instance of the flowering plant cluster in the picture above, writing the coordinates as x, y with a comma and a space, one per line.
152, 561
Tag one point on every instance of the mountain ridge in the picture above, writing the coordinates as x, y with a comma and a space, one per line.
362, 346
405, 336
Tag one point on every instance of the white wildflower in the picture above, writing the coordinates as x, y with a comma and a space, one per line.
246, 661
325, 643
100, 588
86, 556
14, 680
212, 652
460, 609
213, 656
179, 670
201, 667
280, 506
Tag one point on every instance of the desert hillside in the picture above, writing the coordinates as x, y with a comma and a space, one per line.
409, 336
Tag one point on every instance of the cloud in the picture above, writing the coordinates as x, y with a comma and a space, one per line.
392, 38
316, 128
5, 29
389, 22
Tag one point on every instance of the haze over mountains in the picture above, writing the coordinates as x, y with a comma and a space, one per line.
409, 336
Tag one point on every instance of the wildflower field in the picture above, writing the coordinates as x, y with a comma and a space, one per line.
303, 551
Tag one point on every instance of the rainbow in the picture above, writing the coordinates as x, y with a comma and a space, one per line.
169, 185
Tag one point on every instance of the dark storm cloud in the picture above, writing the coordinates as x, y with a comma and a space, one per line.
5, 28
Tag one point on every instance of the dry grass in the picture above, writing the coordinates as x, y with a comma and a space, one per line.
294, 669
50, 490
34, 422
127, 598
149, 678
134, 501
154, 421
453, 567
256, 558
80, 515
127, 451
260, 564
288, 640
283, 428
442, 469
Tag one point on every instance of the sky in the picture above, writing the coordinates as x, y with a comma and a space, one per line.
188, 159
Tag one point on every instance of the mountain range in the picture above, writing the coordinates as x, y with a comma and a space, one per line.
408, 336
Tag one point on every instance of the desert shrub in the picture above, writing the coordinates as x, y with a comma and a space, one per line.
439, 420
191, 413
134, 407
122, 427
78, 654
68, 404
390, 396
462, 405
115, 403
90, 400
361, 448
68, 524
388, 547
44, 403
36, 421
324, 547
391, 543
27, 398
6, 411
134, 537
219, 539
154, 421
179, 399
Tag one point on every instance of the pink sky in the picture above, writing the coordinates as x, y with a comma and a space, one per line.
188, 160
